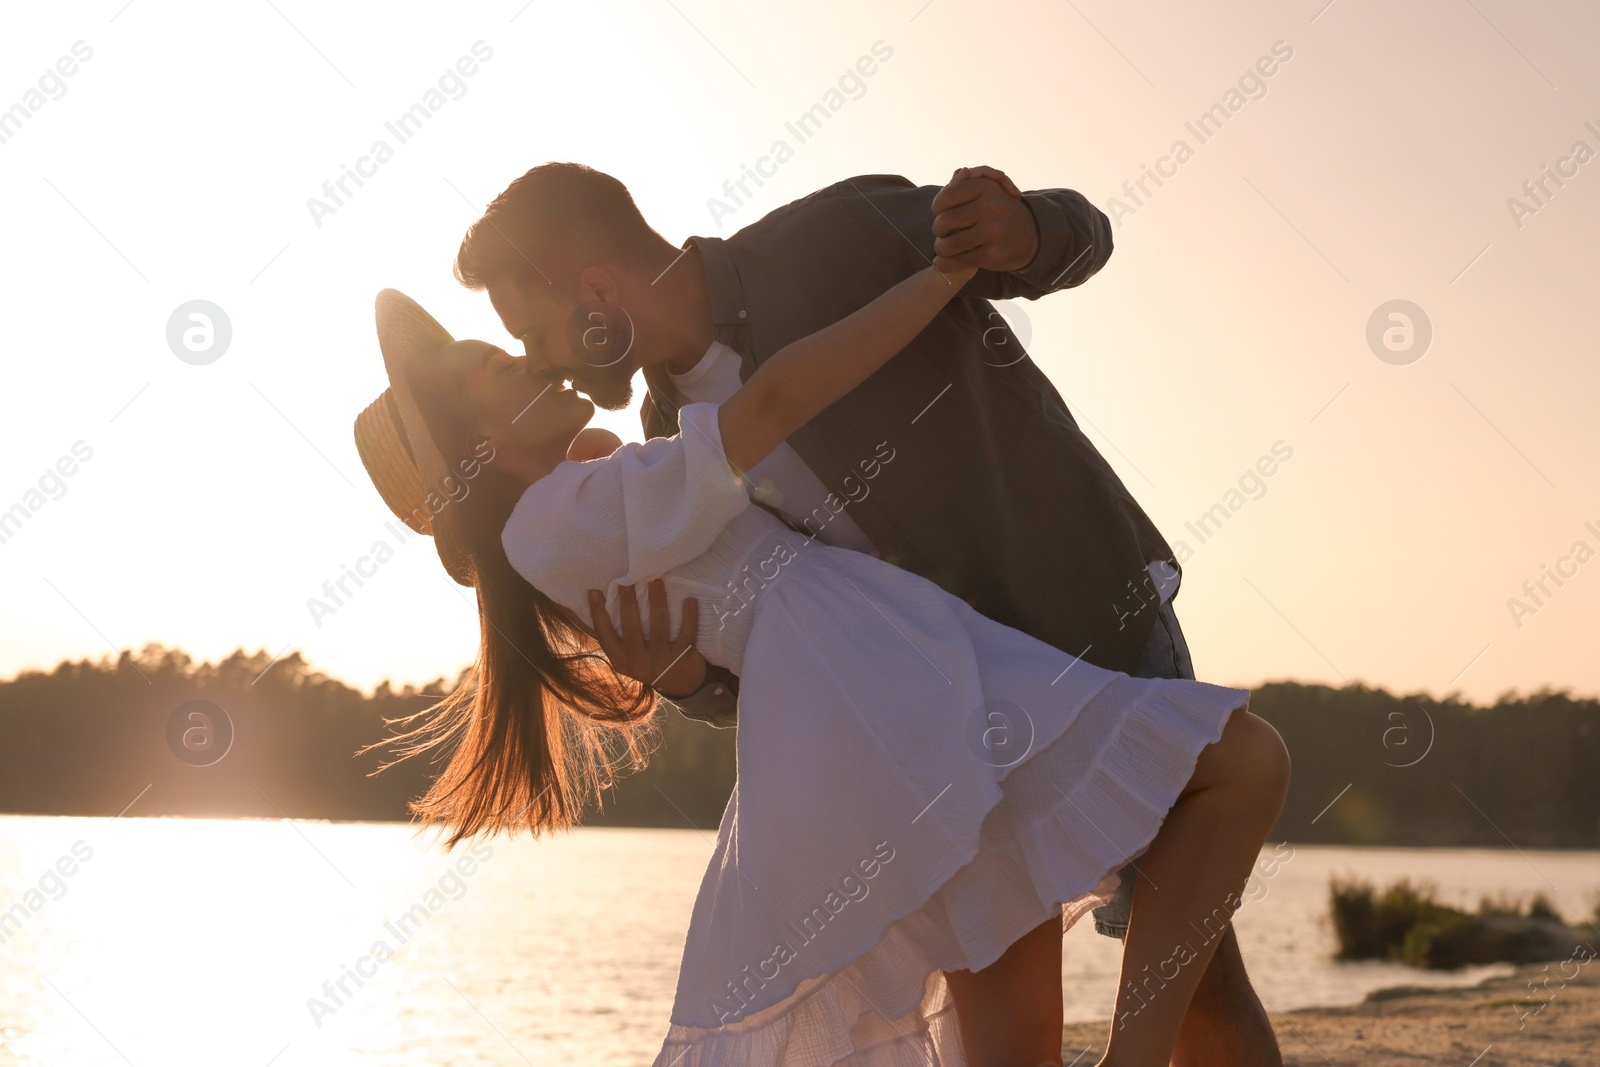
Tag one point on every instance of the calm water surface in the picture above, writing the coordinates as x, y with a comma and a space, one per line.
178, 942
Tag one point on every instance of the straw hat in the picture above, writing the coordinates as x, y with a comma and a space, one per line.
405, 465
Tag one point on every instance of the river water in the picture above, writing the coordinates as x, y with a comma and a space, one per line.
173, 942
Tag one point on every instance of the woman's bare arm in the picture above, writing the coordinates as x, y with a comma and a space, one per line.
805, 376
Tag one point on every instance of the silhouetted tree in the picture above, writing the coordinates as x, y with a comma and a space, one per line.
88, 737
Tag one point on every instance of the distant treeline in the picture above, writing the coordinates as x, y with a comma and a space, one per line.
1421, 771
89, 737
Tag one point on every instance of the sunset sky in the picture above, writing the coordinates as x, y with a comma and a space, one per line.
1384, 159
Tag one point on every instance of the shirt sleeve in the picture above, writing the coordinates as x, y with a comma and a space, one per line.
627, 518
1074, 243
715, 703
1074, 235
678, 496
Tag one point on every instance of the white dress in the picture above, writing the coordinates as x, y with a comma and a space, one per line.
918, 785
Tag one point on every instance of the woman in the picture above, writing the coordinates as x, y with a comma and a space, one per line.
919, 786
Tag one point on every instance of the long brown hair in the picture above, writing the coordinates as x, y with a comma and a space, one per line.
541, 724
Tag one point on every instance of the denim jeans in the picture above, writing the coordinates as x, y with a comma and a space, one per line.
1166, 656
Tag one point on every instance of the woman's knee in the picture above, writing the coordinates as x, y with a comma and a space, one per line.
1250, 754
1261, 754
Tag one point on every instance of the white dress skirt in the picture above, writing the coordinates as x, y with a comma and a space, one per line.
918, 785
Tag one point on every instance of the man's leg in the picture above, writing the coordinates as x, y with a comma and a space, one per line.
1226, 1025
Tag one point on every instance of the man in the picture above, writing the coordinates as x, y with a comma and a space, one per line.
958, 460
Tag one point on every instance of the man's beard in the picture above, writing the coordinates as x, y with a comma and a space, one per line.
606, 387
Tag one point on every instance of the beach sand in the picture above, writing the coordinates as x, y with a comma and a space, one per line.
1412, 1026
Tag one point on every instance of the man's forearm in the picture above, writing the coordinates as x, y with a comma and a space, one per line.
716, 702
808, 374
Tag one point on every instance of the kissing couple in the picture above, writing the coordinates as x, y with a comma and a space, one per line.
942, 626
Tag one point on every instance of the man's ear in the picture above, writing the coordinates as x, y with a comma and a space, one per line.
599, 285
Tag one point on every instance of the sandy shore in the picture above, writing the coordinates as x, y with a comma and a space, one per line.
1499, 1023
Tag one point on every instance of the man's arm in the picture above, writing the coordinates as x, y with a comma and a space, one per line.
810, 373
1074, 243
1024, 244
716, 702
670, 665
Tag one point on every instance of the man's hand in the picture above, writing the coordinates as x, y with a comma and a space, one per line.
670, 666
980, 220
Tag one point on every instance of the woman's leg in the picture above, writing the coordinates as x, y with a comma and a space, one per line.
1010, 1012
1190, 883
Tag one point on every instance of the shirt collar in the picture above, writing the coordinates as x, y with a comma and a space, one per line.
700, 369
724, 293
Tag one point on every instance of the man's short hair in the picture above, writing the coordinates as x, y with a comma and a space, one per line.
554, 220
